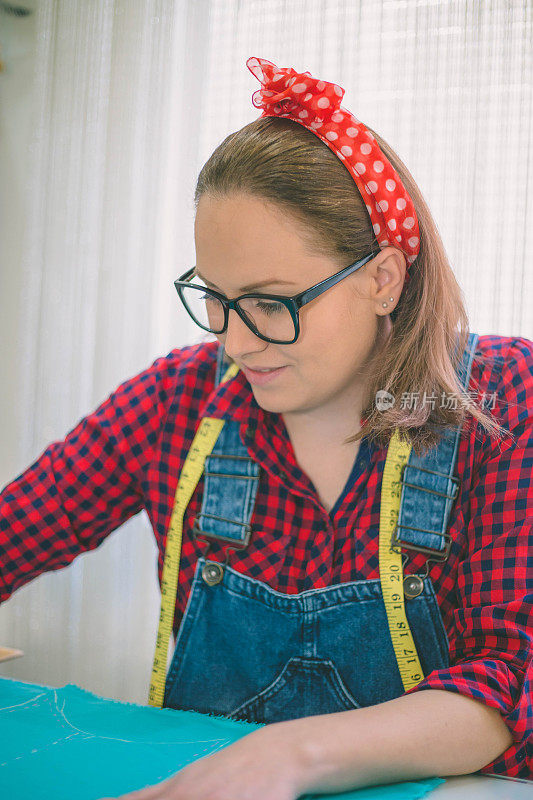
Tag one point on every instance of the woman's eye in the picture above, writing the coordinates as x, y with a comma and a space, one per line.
270, 308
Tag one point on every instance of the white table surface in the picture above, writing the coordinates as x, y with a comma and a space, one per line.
482, 787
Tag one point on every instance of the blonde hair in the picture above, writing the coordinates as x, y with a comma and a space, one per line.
280, 161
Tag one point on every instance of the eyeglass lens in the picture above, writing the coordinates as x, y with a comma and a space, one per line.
268, 317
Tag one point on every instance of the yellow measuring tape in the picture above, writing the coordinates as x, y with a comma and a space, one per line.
202, 445
391, 566
390, 561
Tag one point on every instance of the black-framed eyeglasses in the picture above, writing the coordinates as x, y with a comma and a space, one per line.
272, 317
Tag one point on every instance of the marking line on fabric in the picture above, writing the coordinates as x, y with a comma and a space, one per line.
390, 561
391, 565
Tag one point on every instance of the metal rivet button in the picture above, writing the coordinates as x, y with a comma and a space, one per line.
212, 572
413, 585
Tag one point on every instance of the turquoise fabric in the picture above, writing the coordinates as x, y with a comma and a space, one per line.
66, 742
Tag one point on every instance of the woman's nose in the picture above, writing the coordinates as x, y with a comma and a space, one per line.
239, 337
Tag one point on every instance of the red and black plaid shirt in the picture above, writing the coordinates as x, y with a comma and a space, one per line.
127, 455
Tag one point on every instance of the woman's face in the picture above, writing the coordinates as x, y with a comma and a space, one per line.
241, 240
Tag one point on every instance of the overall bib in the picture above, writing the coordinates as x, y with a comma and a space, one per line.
248, 652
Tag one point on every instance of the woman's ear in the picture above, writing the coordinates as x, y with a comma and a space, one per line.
389, 271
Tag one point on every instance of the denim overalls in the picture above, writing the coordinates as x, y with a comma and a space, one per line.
246, 651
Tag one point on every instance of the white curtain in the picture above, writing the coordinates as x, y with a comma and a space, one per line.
108, 109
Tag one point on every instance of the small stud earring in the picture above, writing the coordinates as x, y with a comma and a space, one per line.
391, 299
384, 305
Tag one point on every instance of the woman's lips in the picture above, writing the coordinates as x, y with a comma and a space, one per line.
260, 378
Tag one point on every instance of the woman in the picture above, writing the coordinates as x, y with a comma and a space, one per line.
287, 625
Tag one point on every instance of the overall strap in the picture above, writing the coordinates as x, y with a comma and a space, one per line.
220, 365
429, 486
231, 483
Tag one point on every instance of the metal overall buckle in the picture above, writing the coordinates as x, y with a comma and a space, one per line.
213, 571
413, 585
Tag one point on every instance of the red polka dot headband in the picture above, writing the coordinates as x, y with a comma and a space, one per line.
316, 105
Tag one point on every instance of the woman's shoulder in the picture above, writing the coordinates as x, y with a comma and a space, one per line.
198, 360
502, 371
195, 361
502, 349
181, 377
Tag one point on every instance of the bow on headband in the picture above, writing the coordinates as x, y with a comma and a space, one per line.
288, 91
316, 105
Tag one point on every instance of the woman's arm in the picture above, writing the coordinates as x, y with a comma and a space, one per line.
425, 734
83, 487
428, 734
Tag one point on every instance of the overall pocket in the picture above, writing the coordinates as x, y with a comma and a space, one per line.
303, 688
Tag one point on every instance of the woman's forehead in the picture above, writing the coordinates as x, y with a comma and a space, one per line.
259, 236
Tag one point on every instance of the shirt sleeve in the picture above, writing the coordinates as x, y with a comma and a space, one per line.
491, 645
82, 488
